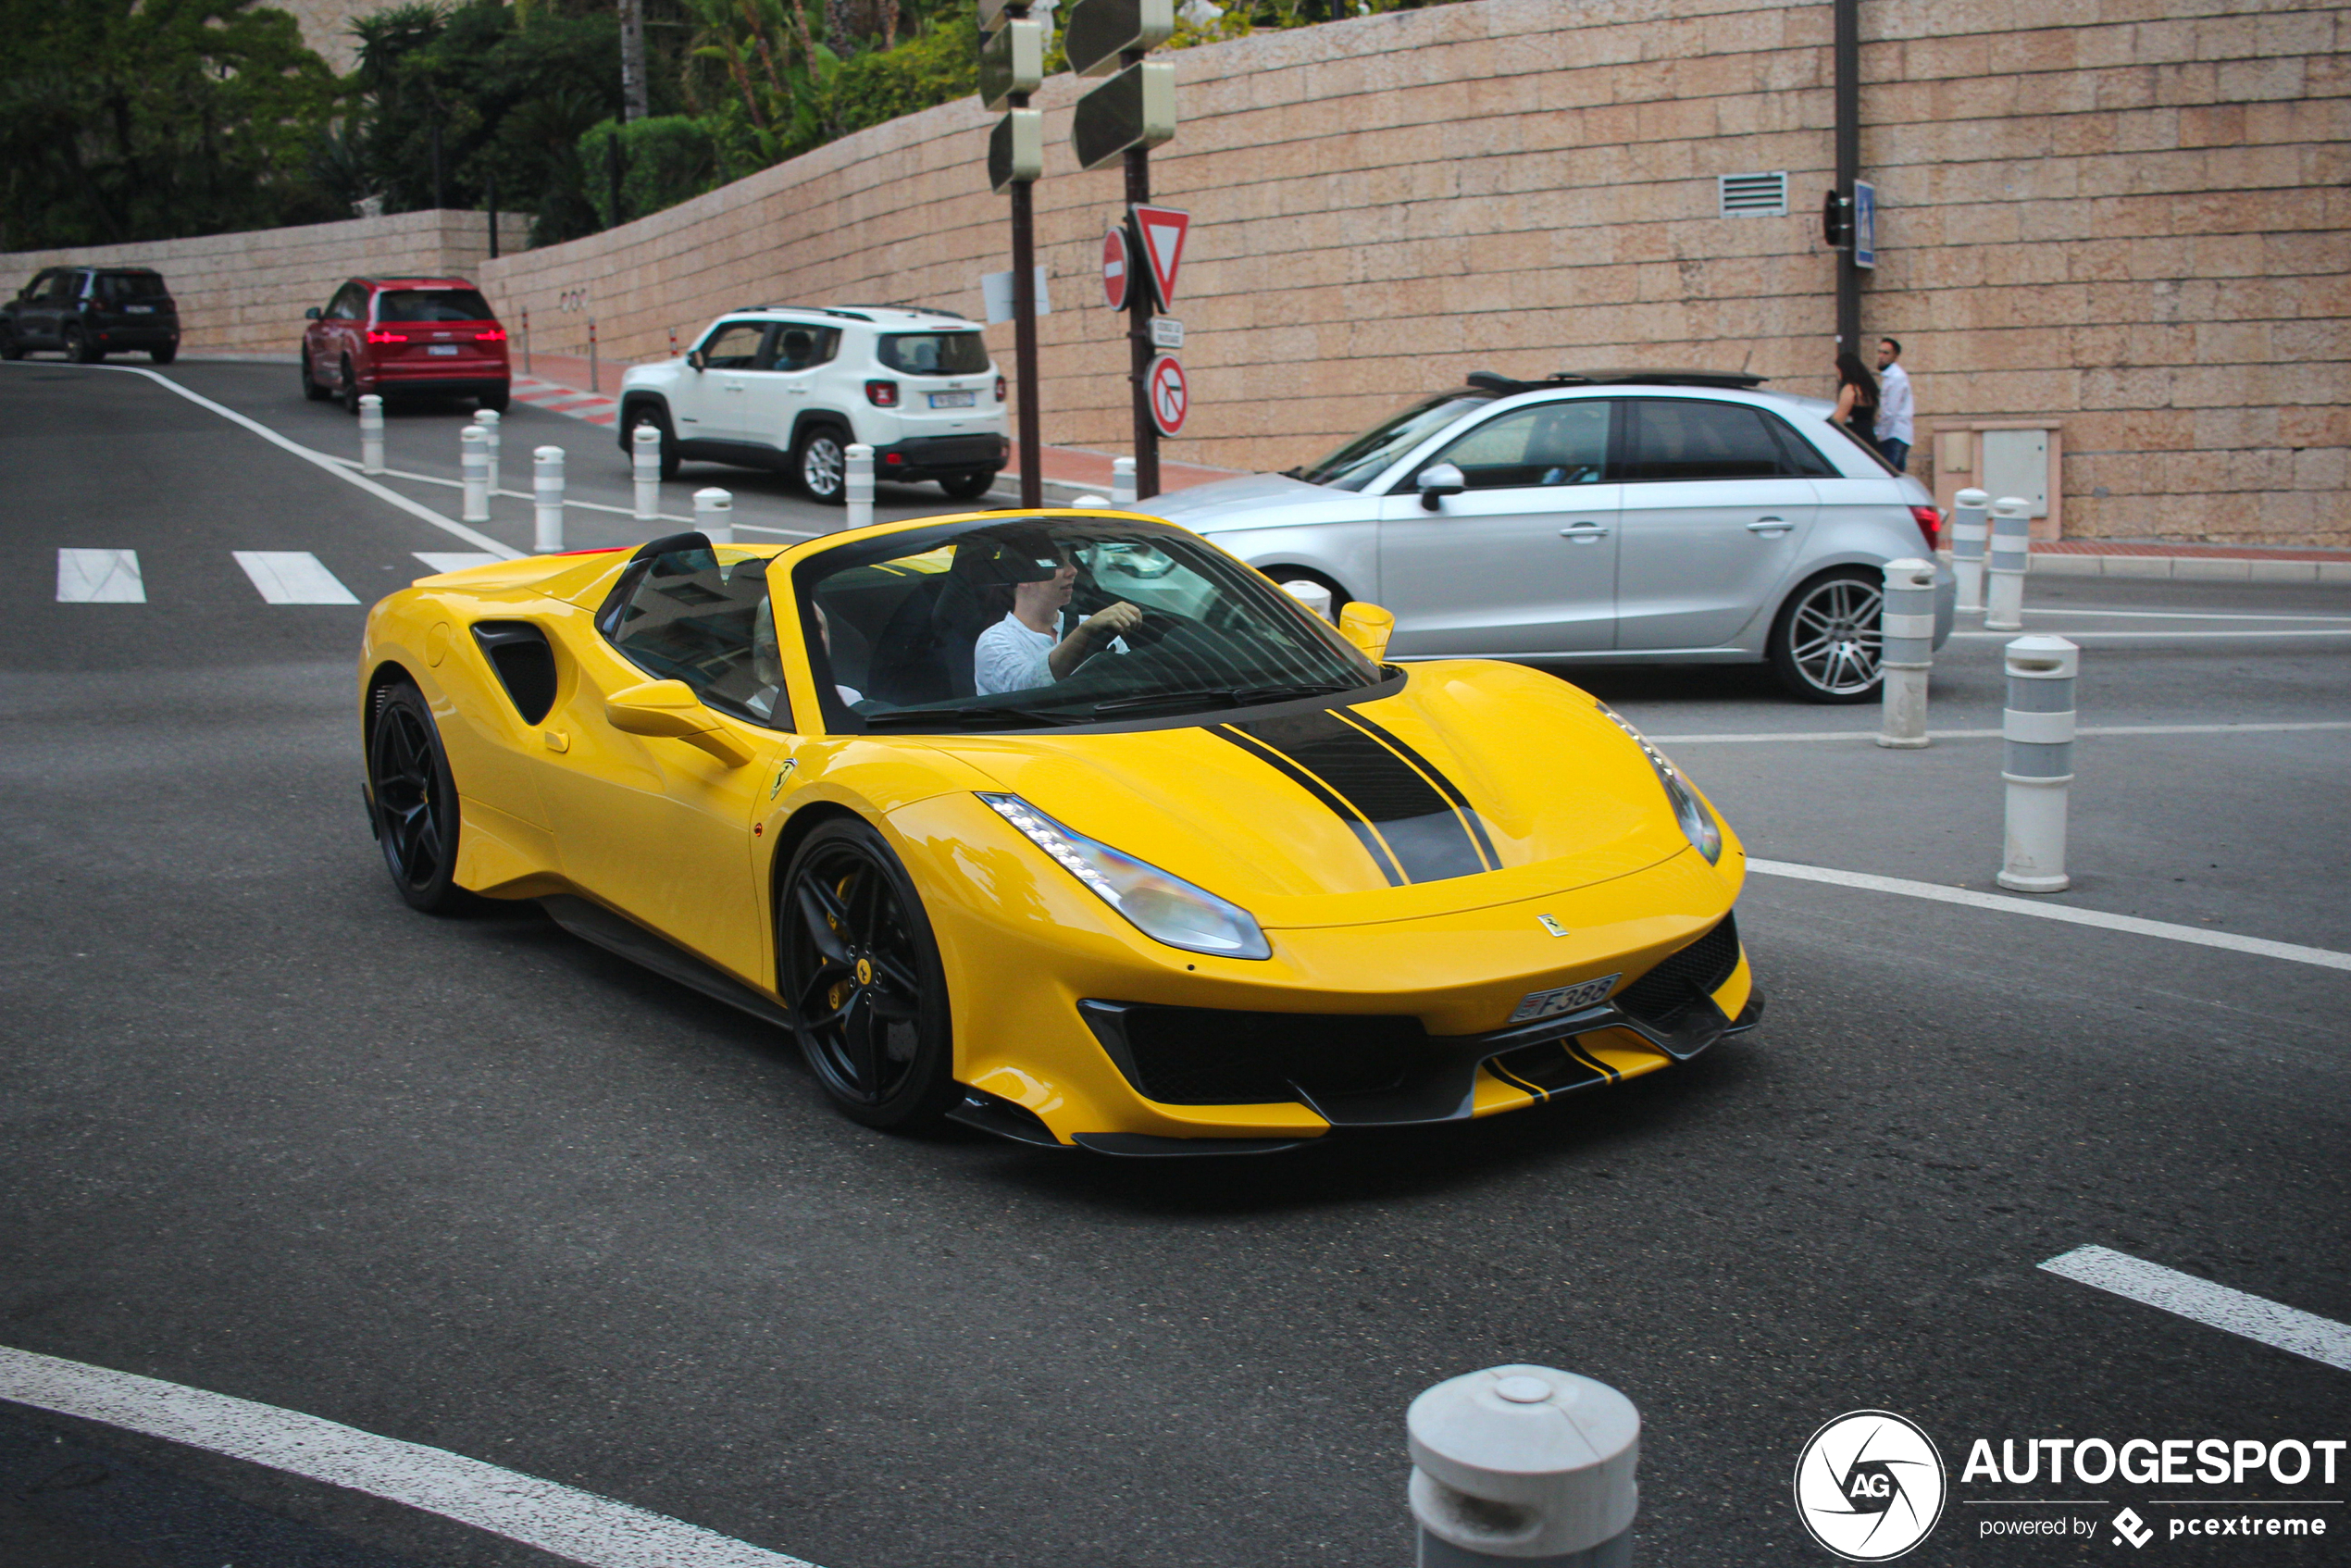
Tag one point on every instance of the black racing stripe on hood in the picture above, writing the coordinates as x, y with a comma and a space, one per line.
1436, 776
1417, 822
1363, 831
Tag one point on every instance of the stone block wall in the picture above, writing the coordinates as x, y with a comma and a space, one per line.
246, 293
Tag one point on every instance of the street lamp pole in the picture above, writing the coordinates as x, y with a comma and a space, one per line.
1847, 49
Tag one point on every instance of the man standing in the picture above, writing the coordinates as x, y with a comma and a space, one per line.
1893, 404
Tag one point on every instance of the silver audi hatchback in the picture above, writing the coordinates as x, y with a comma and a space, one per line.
1607, 516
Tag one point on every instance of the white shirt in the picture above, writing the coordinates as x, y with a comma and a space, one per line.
1894, 403
1010, 657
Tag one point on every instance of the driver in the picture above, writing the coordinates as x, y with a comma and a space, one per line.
1025, 649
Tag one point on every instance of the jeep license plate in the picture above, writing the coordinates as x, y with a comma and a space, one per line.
951, 400
1567, 998
449, 350
138, 310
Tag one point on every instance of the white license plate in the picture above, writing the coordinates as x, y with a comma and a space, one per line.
448, 349
1567, 998
951, 400
138, 310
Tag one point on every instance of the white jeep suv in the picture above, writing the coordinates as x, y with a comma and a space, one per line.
793, 388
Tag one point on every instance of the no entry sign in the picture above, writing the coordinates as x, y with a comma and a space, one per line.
1169, 397
1117, 269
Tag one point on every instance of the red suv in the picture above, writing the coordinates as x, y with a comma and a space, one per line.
423, 337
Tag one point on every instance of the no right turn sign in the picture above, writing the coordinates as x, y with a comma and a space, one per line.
1170, 398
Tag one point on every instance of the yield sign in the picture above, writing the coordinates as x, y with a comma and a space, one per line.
1170, 398
1163, 230
1117, 269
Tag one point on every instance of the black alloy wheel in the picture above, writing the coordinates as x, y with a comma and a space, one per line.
311, 390
496, 402
968, 487
165, 354
822, 464
11, 347
79, 346
860, 968
1824, 645
348, 389
650, 414
415, 801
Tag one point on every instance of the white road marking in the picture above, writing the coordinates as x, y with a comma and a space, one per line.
292, 576
1994, 734
2164, 636
2324, 958
99, 576
454, 560
2200, 1300
571, 1524
349, 475
2180, 615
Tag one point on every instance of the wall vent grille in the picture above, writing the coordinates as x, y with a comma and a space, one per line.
1754, 196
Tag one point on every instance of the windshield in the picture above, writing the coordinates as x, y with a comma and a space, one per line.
1034, 623
1367, 456
431, 304
935, 354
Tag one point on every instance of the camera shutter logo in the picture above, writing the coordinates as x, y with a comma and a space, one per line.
1870, 1485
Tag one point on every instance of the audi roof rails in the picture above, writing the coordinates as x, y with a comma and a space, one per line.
1738, 381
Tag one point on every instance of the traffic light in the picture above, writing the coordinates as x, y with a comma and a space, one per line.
1836, 221
1135, 109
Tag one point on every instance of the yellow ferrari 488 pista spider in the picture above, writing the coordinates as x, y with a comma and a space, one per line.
1065, 823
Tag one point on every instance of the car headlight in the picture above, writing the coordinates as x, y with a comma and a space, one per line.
1698, 822
1164, 908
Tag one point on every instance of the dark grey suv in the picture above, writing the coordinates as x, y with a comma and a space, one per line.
88, 313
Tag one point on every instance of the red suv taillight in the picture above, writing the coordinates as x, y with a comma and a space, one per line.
1930, 523
376, 337
1000, 389
495, 335
882, 394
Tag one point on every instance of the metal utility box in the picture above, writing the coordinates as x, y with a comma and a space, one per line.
2020, 457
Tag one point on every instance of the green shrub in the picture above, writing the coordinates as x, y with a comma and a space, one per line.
664, 160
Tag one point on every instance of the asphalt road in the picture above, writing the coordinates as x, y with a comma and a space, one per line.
467, 1182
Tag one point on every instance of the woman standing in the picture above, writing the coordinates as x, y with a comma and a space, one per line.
1856, 400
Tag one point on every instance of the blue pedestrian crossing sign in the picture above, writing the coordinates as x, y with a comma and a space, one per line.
1864, 224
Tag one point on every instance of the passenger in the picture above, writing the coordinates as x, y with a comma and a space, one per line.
1025, 649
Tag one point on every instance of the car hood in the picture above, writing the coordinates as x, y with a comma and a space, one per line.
1474, 785
1252, 500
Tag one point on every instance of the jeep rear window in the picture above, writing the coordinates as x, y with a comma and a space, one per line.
935, 354
433, 305
130, 286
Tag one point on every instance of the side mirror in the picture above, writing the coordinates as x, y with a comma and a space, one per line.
668, 710
1368, 627
313, 313
1437, 481
694, 358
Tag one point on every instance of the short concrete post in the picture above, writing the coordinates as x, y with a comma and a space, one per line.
1971, 526
371, 434
857, 486
1906, 651
1524, 1465
490, 420
473, 464
714, 515
1313, 595
2037, 730
644, 463
594, 381
1122, 481
547, 465
2011, 557
1090, 499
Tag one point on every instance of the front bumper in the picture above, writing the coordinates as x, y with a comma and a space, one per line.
932, 457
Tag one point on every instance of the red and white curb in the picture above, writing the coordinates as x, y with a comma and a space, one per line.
594, 408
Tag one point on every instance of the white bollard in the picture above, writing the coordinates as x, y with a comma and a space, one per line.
490, 420
1971, 526
1122, 481
1524, 1465
371, 434
473, 464
1313, 595
547, 474
2011, 557
714, 515
857, 486
645, 462
2037, 733
1906, 652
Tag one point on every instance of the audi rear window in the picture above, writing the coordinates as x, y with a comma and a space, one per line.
935, 354
433, 305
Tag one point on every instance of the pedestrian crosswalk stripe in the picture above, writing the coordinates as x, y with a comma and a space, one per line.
292, 576
99, 576
454, 560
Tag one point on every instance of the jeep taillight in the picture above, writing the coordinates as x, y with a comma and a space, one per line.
1000, 389
1930, 523
376, 337
882, 394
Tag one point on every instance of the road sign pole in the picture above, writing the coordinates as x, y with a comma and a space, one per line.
1139, 303
1032, 457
